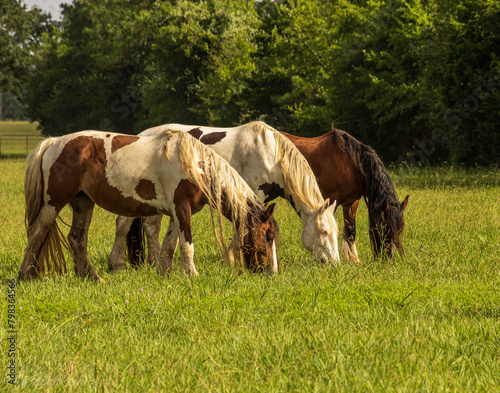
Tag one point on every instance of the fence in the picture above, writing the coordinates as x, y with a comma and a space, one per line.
18, 145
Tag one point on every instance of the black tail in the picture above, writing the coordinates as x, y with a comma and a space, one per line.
135, 243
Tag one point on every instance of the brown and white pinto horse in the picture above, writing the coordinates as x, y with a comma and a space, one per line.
348, 170
170, 173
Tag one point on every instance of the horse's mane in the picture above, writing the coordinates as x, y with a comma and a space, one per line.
220, 182
300, 181
372, 172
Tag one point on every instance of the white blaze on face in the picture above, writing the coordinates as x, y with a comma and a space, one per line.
336, 255
327, 231
275, 258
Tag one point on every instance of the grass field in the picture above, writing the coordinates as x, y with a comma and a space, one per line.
429, 323
17, 138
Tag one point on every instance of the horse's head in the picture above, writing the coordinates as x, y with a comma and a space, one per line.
319, 233
259, 243
386, 227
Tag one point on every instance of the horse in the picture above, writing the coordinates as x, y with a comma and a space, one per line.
272, 166
348, 170
170, 173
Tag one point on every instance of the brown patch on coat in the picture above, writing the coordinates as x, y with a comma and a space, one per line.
81, 166
196, 133
146, 189
272, 191
120, 141
212, 138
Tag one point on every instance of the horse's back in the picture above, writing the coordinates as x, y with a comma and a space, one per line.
337, 174
121, 173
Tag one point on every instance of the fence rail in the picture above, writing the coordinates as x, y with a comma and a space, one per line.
18, 145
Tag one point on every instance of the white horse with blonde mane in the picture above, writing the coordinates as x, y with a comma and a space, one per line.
168, 173
272, 166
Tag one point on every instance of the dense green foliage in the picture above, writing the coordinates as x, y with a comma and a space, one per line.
429, 323
12, 108
20, 34
416, 79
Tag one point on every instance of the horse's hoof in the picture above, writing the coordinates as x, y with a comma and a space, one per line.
27, 274
97, 279
163, 272
117, 266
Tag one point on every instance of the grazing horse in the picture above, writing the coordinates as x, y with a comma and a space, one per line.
348, 170
170, 173
272, 167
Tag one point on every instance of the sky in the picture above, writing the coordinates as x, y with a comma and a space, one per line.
51, 6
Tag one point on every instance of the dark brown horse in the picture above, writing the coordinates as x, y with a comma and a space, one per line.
348, 170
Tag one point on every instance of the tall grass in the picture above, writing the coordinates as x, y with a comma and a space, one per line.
428, 323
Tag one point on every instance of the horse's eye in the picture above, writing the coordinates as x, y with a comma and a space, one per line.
322, 232
269, 238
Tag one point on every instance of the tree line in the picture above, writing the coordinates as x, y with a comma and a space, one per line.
418, 80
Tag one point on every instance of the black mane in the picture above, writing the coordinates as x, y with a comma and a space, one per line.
384, 209
378, 187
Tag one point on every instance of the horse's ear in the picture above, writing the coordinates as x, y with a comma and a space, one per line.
270, 210
403, 204
386, 207
325, 206
333, 206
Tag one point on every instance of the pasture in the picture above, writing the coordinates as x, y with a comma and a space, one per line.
17, 138
430, 322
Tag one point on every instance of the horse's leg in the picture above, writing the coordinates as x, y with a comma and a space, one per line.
152, 227
183, 215
187, 252
117, 258
235, 259
349, 233
78, 236
166, 259
231, 252
37, 235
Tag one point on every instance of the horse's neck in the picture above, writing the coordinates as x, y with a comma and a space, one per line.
241, 223
227, 208
301, 208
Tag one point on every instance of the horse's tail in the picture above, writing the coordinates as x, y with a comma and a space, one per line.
135, 242
51, 251
33, 182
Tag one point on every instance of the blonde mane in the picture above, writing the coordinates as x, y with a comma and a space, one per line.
220, 182
300, 181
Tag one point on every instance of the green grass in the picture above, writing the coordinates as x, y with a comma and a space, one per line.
18, 138
428, 323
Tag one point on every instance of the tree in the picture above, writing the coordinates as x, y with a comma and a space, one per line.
20, 34
85, 71
468, 80
12, 109
412, 78
183, 61
202, 52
